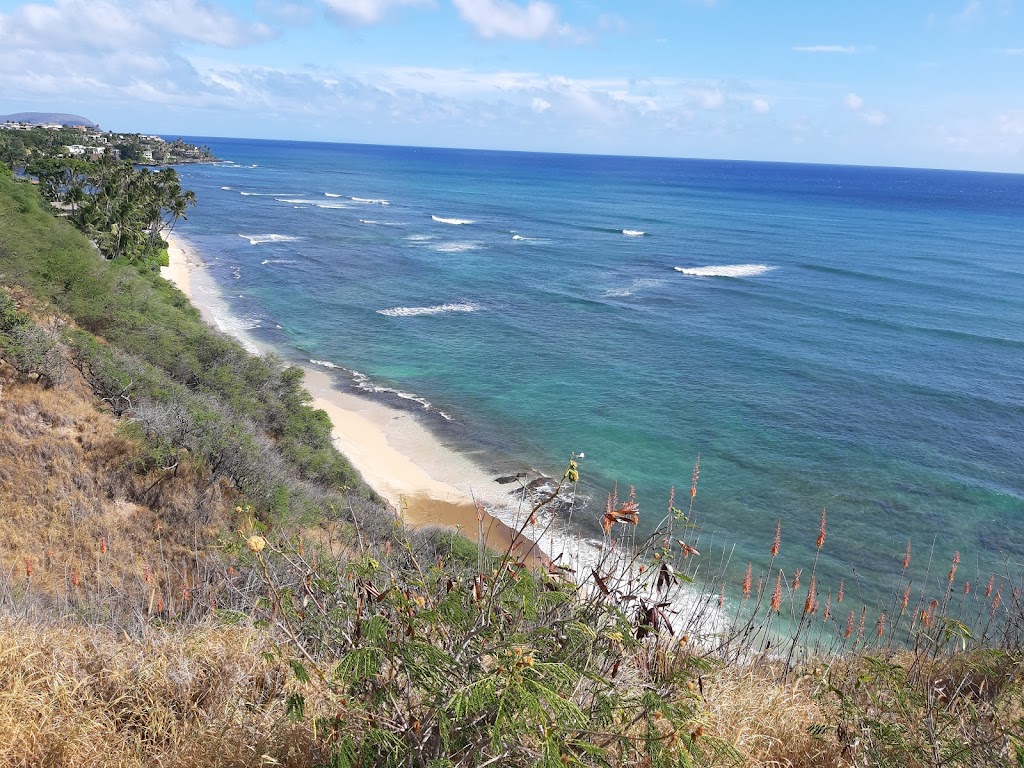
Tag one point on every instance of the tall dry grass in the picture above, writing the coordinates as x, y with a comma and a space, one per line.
87, 697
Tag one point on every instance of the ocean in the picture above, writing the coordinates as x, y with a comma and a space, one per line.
835, 337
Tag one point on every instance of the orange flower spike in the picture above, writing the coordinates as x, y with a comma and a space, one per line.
777, 594
75, 581
778, 538
967, 587
103, 545
821, 530
695, 477
906, 557
849, 626
863, 621
796, 578
809, 602
828, 608
906, 598
880, 626
952, 568
991, 582
28, 567
839, 597
746, 581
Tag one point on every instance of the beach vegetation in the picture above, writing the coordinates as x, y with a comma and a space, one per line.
191, 574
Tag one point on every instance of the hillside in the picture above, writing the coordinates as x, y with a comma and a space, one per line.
57, 118
192, 575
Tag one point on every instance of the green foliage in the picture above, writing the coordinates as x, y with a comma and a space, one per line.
146, 352
925, 712
448, 666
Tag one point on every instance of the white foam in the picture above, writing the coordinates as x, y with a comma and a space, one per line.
726, 270
331, 205
299, 200
229, 189
271, 238
633, 287
456, 247
419, 238
633, 232
248, 194
370, 200
279, 261
328, 194
456, 222
439, 309
380, 223
362, 381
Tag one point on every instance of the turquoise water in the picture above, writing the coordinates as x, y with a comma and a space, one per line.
857, 343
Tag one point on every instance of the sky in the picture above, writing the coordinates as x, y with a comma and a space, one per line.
935, 84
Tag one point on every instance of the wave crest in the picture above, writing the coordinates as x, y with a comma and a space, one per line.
458, 247
270, 238
439, 309
370, 200
634, 232
455, 222
726, 270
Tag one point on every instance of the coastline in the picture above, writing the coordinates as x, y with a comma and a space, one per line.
422, 479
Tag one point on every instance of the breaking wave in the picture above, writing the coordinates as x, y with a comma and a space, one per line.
439, 309
271, 238
633, 232
457, 247
726, 270
369, 201
443, 220
362, 381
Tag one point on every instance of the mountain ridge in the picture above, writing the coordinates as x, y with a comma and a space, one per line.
63, 118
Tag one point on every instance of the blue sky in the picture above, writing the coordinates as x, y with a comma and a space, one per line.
932, 84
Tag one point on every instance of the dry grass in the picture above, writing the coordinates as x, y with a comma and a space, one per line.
77, 696
769, 720
78, 513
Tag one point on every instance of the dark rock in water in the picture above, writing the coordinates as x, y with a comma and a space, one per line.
510, 478
538, 483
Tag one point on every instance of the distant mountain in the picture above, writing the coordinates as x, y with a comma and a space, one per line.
48, 117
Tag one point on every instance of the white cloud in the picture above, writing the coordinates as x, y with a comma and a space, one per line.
501, 18
1010, 124
712, 98
968, 12
826, 48
761, 105
540, 105
368, 11
875, 117
108, 25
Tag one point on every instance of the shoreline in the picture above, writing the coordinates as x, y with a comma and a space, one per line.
422, 479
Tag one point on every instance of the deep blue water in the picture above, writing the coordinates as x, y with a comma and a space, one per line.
868, 356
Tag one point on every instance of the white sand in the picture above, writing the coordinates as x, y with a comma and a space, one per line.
395, 454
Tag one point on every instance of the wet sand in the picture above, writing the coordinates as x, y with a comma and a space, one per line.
421, 478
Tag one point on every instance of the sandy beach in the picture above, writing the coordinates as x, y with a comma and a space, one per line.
420, 477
